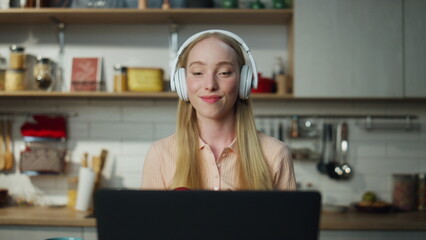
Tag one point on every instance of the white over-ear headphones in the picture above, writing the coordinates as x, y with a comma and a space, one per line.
248, 74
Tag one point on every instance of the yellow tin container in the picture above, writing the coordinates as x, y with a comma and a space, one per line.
15, 80
145, 79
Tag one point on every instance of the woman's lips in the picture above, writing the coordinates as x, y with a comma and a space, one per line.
211, 99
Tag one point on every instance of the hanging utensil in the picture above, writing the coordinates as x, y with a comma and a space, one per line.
333, 166
344, 147
326, 139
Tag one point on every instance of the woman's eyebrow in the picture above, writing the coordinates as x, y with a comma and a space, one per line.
224, 63
196, 62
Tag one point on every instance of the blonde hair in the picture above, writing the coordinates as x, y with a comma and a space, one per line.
252, 168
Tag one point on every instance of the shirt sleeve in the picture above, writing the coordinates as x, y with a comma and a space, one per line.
152, 177
283, 174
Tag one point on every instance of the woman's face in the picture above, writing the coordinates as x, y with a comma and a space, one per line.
212, 75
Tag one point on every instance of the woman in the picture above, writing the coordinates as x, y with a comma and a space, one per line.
216, 145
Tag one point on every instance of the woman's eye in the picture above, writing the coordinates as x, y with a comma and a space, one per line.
196, 73
225, 73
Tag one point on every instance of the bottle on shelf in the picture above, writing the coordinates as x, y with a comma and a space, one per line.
120, 78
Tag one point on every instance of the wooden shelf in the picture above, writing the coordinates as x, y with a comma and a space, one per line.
112, 96
146, 16
170, 95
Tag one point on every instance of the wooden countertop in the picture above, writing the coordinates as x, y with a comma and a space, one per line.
44, 216
409, 221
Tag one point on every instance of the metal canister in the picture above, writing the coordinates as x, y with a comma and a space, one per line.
17, 57
404, 191
421, 192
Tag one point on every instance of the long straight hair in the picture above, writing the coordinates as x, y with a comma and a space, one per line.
252, 168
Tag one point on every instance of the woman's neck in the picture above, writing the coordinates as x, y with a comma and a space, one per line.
218, 134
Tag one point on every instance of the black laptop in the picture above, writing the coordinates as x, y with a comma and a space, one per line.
206, 215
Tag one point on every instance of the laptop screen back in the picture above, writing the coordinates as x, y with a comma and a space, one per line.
207, 215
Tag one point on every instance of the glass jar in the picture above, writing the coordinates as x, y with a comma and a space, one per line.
42, 73
17, 57
72, 191
404, 191
120, 78
421, 192
15, 80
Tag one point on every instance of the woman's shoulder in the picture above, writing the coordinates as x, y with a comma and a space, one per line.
164, 147
272, 147
167, 141
270, 141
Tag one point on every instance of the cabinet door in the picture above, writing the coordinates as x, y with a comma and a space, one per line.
415, 48
348, 48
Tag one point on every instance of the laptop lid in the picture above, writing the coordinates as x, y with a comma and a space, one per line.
206, 215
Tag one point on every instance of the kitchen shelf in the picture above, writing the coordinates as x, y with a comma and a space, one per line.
170, 95
111, 95
146, 16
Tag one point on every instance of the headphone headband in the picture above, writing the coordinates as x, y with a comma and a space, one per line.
195, 36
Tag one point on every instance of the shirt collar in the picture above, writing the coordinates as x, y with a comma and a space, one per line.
232, 146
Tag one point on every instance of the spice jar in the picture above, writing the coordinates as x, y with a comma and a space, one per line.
404, 191
294, 127
17, 57
2, 72
421, 192
15, 80
42, 73
120, 78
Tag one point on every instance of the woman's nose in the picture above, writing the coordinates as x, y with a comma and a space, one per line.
211, 82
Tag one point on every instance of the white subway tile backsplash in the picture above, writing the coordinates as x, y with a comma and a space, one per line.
337, 197
422, 164
78, 130
386, 165
135, 147
118, 131
129, 164
406, 149
94, 113
150, 114
127, 128
164, 130
366, 148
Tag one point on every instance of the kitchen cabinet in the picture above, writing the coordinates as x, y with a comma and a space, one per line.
414, 48
348, 49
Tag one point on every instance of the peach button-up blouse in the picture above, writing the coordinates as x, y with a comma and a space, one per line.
160, 164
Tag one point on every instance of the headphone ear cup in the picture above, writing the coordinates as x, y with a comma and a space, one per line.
180, 82
246, 77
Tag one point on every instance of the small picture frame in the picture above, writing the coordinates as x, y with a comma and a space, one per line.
86, 74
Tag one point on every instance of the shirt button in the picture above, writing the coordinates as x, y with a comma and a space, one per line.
216, 188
